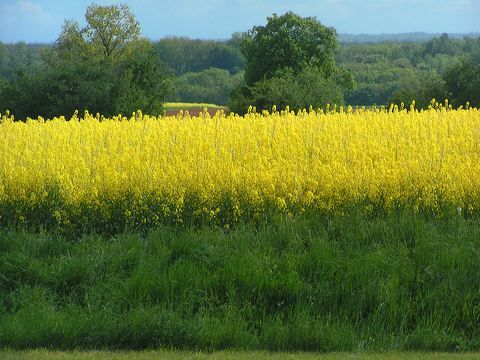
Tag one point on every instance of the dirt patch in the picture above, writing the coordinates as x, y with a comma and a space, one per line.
193, 111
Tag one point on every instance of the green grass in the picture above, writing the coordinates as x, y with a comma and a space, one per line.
393, 282
227, 355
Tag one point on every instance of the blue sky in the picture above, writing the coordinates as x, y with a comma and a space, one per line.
41, 20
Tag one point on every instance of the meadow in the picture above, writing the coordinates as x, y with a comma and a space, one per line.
325, 230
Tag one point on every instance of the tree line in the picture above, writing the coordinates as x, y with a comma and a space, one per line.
107, 67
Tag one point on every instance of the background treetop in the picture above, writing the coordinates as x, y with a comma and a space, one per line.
288, 41
109, 31
290, 61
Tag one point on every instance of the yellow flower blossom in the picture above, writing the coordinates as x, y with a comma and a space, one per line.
318, 159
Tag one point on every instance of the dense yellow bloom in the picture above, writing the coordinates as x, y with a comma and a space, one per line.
286, 161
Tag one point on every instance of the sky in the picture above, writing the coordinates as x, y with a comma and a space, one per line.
40, 21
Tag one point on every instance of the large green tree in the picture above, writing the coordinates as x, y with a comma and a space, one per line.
110, 33
288, 41
463, 82
104, 67
185, 55
283, 58
209, 86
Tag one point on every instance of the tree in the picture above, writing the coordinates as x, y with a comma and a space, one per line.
209, 86
427, 90
145, 81
462, 81
18, 59
226, 57
297, 90
105, 67
288, 41
185, 55
112, 27
442, 45
109, 33
290, 61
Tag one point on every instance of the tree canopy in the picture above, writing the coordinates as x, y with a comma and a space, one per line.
104, 67
462, 82
283, 57
288, 41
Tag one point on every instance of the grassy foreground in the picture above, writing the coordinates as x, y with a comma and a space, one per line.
227, 355
400, 281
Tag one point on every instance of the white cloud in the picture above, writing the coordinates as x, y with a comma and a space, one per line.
24, 19
24, 9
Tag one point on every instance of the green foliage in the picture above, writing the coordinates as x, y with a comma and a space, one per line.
228, 57
410, 37
20, 58
164, 354
144, 82
314, 283
288, 41
208, 86
460, 83
111, 28
185, 55
104, 67
442, 45
396, 71
463, 82
290, 61
296, 90
422, 92
386, 67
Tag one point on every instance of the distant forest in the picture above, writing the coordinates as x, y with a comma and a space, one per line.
386, 68
402, 37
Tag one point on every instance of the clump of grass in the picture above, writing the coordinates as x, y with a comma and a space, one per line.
316, 283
